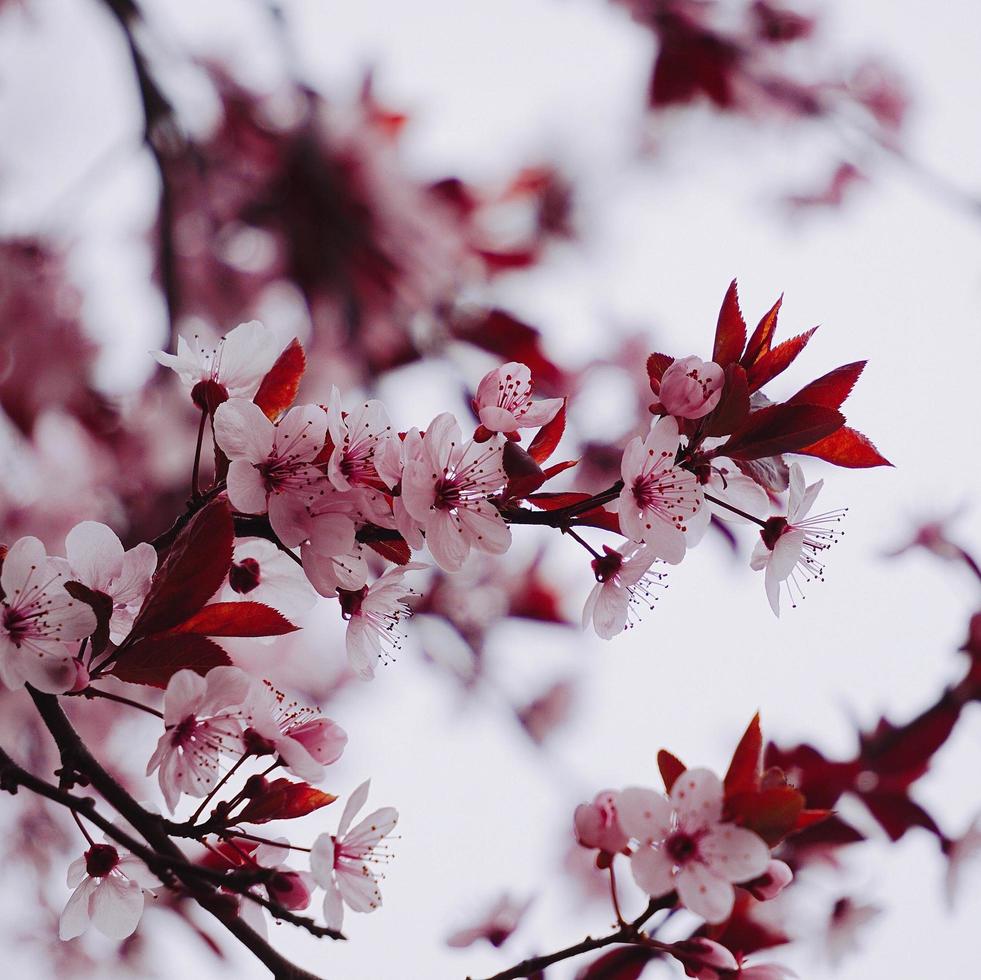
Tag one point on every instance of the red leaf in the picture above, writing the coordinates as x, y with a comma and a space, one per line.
544, 443
237, 619
780, 429
284, 800
155, 659
777, 361
846, 447
897, 813
556, 501
730, 333
733, 407
759, 343
657, 364
279, 387
831, 389
101, 605
744, 770
671, 768
525, 476
556, 468
810, 818
195, 567
771, 813
393, 549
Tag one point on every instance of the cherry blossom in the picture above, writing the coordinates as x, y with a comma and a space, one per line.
691, 388
97, 560
503, 402
367, 453
496, 926
304, 739
790, 546
772, 882
330, 572
446, 491
685, 845
108, 893
658, 498
598, 825
235, 365
39, 620
271, 464
374, 614
704, 959
203, 720
623, 581
340, 863
261, 572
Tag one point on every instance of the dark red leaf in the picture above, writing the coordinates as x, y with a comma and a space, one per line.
155, 659
846, 447
780, 429
394, 550
770, 472
759, 343
810, 818
556, 468
556, 501
283, 800
193, 571
525, 476
777, 361
733, 407
771, 813
657, 364
278, 389
627, 963
606, 520
544, 443
744, 770
101, 605
670, 766
831, 389
730, 333
897, 813
237, 619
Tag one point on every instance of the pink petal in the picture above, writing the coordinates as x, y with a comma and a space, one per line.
697, 798
183, 696
25, 556
242, 431
289, 517
116, 907
734, 853
301, 433
359, 889
498, 419
653, 871
355, 801
246, 488
704, 893
95, 554
486, 527
644, 814
322, 860
610, 610
247, 354
333, 906
447, 542
75, 917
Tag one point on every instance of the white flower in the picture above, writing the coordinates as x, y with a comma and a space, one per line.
684, 844
108, 893
203, 720
623, 581
97, 560
38, 619
503, 402
790, 546
340, 864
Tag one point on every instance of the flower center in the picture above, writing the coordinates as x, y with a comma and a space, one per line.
682, 847
447, 493
100, 859
606, 567
15, 623
772, 530
244, 577
351, 601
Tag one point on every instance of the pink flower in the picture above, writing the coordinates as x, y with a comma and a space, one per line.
598, 825
38, 619
685, 846
691, 387
496, 925
304, 739
97, 560
108, 893
332, 558
790, 546
235, 365
772, 882
658, 498
261, 572
271, 463
446, 491
203, 720
367, 453
503, 402
340, 863
704, 959
374, 614
623, 581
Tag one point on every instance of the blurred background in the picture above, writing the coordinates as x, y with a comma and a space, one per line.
420, 192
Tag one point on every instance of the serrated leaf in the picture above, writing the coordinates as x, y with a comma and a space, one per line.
657, 364
548, 436
730, 332
759, 343
846, 447
155, 659
733, 408
237, 619
192, 572
831, 389
284, 800
777, 361
780, 429
278, 388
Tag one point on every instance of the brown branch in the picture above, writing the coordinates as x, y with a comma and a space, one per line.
76, 758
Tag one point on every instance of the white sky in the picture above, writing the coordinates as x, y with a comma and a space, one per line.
893, 277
